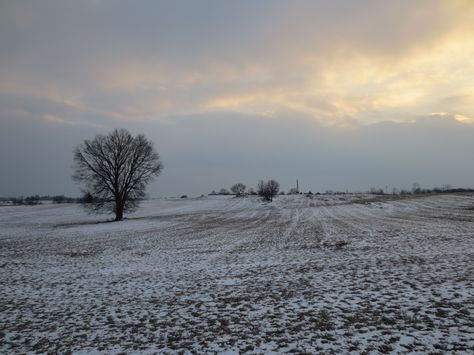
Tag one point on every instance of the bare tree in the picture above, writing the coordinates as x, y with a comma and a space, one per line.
268, 189
115, 170
238, 189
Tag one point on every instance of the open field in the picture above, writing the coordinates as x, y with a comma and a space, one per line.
325, 274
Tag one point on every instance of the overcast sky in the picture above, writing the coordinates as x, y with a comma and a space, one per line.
339, 94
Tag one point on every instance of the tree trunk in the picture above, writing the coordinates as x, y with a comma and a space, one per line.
118, 211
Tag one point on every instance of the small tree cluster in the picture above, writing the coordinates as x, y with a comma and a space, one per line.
32, 200
268, 189
238, 189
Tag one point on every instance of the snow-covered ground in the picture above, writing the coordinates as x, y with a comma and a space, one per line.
328, 274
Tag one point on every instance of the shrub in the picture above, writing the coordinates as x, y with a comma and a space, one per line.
238, 189
268, 189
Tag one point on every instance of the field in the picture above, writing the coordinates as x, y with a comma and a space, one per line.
322, 274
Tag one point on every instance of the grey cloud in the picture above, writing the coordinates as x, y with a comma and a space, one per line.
76, 40
202, 153
81, 47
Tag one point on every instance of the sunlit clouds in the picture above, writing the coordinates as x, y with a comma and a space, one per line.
341, 63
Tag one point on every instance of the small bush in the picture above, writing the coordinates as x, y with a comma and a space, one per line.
268, 189
238, 189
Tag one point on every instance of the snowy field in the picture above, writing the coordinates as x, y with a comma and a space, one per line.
328, 274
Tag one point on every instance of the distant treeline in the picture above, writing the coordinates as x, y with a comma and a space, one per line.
38, 200
416, 190
395, 191
87, 198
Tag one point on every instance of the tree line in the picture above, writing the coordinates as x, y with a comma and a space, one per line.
38, 200
113, 171
266, 189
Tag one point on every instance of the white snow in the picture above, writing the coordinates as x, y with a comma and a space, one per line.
332, 274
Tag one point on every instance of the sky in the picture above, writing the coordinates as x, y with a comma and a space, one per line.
338, 94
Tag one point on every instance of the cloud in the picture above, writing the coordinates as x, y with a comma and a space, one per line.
209, 151
337, 61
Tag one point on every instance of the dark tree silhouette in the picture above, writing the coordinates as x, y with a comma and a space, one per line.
115, 170
238, 189
268, 189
